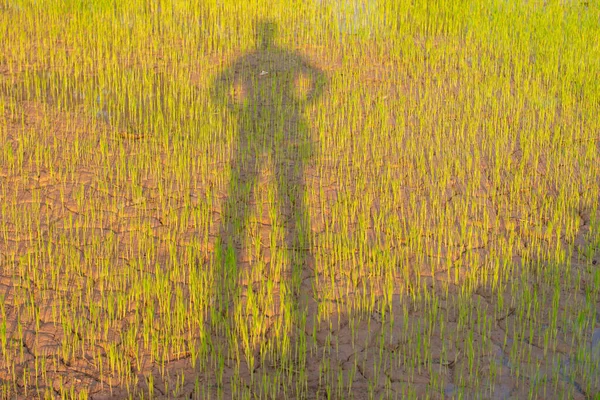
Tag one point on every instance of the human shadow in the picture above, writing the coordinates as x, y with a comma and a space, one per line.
263, 91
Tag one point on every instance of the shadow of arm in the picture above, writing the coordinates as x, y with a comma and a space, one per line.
318, 81
221, 89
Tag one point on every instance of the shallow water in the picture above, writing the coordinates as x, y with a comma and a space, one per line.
596, 344
569, 367
353, 16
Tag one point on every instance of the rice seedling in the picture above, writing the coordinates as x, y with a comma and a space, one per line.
299, 199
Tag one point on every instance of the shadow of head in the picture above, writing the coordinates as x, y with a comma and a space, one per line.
265, 32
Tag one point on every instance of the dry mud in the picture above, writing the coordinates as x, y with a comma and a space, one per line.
399, 351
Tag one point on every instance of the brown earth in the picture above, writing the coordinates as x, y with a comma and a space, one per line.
36, 335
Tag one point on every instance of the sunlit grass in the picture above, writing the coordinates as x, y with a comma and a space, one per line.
445, 214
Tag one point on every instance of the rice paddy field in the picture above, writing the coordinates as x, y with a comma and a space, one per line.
284, 199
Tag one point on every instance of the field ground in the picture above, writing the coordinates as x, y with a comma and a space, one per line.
233, 200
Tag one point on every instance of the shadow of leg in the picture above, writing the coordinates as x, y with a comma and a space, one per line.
297, 300
230, 243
